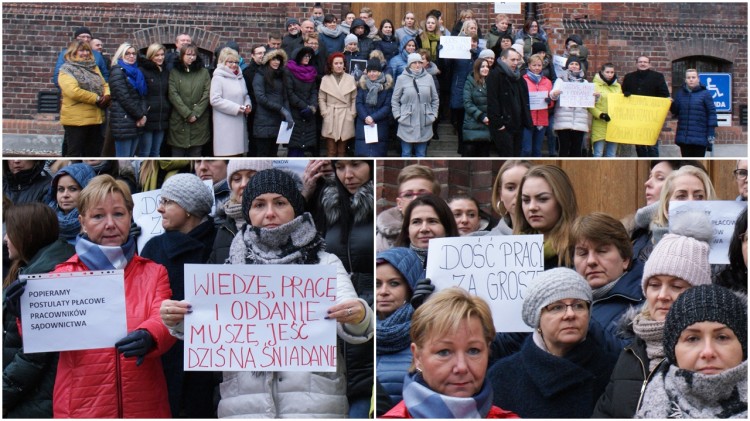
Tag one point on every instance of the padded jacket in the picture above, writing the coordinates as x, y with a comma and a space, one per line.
78, 105
128, 106
696, 115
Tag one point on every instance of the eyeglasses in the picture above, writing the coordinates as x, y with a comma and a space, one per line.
233, 62
165, 202
129, 53
558, 308
409, 195
740, 174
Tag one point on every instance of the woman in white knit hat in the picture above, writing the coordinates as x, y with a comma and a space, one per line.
415, 107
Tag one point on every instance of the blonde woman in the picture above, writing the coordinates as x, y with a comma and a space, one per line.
127, 116
231, 105
157, 98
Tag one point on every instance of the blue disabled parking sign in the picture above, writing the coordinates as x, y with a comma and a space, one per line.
720, 87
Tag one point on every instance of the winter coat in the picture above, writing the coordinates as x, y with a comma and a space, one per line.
380, 113
228, 93
536, 384
529, 40
332, 44
599, 126
400, 411
460, 69
540, 117
475, 111
189, 91
159, 107
391, 369
295, 394
128, 106
399, 61
387, 228
28, 379
696, 116
26, 186
337, 103
388, 45
646, 83
626, 294
79, 106
570, 118
415, 105
270, 100
101, 63
102, 383
494, 35
507, 101
174, 249
366, 44
301, 95
224, 235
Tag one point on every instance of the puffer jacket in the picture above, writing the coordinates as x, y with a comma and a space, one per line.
189, 91
26, 186
337, 102
391, 369
365, 43
399, 61
696, 115
159, 107
414, 105
301, 95
475, 111
570, 118
101, 383
270, 100
459, 70
79, 106
388, 45
599, 126
128, 106
380, 113
540, 117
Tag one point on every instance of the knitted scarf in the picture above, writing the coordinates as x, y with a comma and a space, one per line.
571, 76
171, 167
421, 253
514, 75
296, 242
652, 333
678, 393
305, 74
373, 88
99, 257
423, 402
533, 76
70, 227
434, 39
233, 210
84, 72
135, 77
393, 331
333, 33
409, 31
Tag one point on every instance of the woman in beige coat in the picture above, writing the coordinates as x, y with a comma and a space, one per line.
337, 102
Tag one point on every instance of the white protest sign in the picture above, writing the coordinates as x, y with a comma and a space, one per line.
371, 133
73, 311
511, 8
723, 215
496, 268
537, 100
577, 95
455, 47
285, 133
146, 216
260, 318
559, 63
295, 164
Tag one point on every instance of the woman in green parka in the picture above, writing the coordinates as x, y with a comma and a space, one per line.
476, 123
605, 83
189, 89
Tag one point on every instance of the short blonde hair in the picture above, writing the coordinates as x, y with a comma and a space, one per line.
99, 188
73, 48
662, 216
227, 53
444, 311
153, 49
535, 57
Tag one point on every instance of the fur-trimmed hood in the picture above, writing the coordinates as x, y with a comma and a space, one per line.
362, 84
361, 204
389, 222
274, 53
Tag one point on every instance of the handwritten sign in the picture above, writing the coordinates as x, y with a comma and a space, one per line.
87, 306
496, 268
260, 318
536, 100
636, 119
577, 95
455, 47
723, 215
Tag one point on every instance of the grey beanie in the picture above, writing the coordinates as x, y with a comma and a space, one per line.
487, 53
188, 191
246, 164
705, 303
351, 38
412, 58
276, 181
550, 286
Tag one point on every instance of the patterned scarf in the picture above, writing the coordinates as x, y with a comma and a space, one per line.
373, 88
70, 227
393, 331
234, 211
652, 333
571, 76
135, 77
421, 253
534, 77
85, 73
423, 402
98, 257
305, 74
296, 242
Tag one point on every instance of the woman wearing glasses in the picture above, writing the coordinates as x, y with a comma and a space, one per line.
188, 238
559, 371
129, 107
231, 105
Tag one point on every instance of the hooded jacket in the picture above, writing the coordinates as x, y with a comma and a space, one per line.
380, 113
599, 126
415, 106
26, 186
696, 115
270, 98
228, 93
366, 44
189, 90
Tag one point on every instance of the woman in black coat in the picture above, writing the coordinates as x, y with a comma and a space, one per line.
159, 107
127, 115
302, 91
374, 92
273, 104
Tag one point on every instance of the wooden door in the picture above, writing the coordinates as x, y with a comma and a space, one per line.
396, 11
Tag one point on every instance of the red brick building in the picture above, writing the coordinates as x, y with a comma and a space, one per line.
708, 36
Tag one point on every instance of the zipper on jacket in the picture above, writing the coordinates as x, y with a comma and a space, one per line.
118, 384
645, 381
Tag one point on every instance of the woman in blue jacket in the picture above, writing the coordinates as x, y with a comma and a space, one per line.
696, 117
373, 107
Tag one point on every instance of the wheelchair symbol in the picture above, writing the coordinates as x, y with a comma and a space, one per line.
715, 89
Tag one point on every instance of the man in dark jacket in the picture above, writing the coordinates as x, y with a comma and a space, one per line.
507, 104
293, 39
179, 41
248, 74
645, 82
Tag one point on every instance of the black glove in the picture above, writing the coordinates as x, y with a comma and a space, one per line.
306, 113
605, 117
547, 100
13, 297
287, 116
422, 290
137, 344
135, 230
626, 94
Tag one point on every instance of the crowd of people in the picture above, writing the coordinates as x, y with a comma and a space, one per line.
350, 87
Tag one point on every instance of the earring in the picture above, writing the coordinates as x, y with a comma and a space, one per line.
188, 214
539, 329
419, 370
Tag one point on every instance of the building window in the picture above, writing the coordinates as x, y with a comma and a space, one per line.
701, 63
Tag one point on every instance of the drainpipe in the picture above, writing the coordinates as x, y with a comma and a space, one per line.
530, 11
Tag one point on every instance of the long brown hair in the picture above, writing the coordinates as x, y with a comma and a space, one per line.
30, 227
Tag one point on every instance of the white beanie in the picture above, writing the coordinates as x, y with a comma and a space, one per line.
351, 38
256, 165
487, 53
412, 58
518, 46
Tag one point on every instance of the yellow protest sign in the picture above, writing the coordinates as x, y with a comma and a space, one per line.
636, 120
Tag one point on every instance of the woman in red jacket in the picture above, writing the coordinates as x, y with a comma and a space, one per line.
537, 82
126, 380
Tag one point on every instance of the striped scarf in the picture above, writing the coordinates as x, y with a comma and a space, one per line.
423, 402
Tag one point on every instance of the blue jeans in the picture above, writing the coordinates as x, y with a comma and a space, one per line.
647, 151
126, 148
609, 149
360, 408
551, 137
151, 143
420, 149
532, 142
